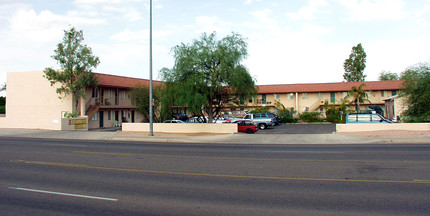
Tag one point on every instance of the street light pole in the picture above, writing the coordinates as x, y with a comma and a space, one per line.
151, 100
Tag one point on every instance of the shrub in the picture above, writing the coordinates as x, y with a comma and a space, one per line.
311, 117
287, 116
2, 110
289, 119
260, 110
333, 116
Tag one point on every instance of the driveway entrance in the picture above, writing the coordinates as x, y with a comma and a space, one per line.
300, 129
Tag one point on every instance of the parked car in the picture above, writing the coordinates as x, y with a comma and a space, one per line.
245, 126
174, 121
262, 122
194, 120
362, 118
275, 118
224, 119
180, 116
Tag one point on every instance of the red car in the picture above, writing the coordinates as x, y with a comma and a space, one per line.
245, 126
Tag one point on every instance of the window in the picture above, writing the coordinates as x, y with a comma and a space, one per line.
250, 100
320, 95
110, 93
332, 97
123, 94
94, 118
383, 94
305, 95
307, 109
394, 92
290, 96
276, 96
263, 98
109, 113
138, 115
94, 93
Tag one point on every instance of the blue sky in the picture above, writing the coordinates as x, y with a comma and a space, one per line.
294, 41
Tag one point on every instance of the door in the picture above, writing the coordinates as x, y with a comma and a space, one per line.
102, 96
116, 115
100, 119
132, 116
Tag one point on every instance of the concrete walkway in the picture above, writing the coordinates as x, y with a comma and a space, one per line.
392, 137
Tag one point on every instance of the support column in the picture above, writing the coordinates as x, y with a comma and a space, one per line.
82, 103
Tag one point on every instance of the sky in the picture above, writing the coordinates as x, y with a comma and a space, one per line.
294, 41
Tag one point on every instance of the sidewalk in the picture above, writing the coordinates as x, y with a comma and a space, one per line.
392, 137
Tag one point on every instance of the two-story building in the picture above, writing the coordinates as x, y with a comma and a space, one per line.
33, 103
311, 97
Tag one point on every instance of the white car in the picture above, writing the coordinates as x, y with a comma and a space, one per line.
174, 121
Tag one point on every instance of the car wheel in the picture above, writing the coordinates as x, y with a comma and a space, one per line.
249, 131
262, 126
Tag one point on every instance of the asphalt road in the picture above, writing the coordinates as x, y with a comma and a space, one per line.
300, 129
64, 177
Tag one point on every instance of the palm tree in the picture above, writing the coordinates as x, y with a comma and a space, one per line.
358, 95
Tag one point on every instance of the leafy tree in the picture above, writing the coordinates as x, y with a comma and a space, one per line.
208, 74
139, 96
355, 64
358, 95
416, 90
384, 75
3, 88
76, 61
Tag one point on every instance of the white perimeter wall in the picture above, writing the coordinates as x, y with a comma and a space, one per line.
382, 127
181, 128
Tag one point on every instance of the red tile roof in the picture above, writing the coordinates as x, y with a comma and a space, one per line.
329, 87
128, 82
120, 81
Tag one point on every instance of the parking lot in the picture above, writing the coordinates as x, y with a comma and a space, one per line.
300, 129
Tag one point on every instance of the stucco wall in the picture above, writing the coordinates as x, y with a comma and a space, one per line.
382, 127
32, 102
181, 128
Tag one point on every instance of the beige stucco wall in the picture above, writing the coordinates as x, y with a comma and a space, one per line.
382, 127
79, 123
32, 103
181, 128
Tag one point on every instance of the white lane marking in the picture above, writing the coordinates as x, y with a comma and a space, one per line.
64, 194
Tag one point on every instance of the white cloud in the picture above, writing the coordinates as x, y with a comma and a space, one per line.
210, 24
309, 11
247, 2
373, 10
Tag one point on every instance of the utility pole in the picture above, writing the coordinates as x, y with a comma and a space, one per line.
151, 100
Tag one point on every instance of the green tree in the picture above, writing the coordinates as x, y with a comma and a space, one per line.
139, 96
384, 75
416, 90
358, 96
76, 61
355, 64
208, 74
3, 88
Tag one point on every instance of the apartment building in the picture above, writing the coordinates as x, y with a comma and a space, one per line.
33, 103
311, 97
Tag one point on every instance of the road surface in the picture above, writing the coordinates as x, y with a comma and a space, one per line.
72, 177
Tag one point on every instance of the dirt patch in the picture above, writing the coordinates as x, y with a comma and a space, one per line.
389, 134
